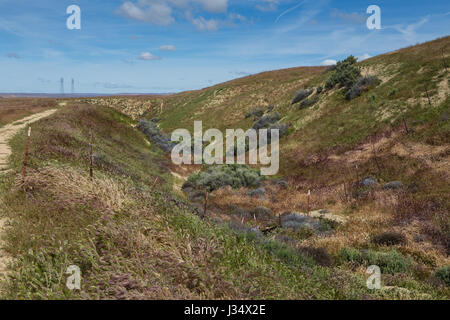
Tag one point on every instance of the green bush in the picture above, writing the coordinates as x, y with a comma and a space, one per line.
443, 274
345, 75
351, 255
217, 177
390, 262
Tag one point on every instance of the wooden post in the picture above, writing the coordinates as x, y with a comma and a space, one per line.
91, 153
443, 59
345, 192
25, 160
428, 96
155, 182
405, 124
206, 204
279, 218
375, 157
309, 200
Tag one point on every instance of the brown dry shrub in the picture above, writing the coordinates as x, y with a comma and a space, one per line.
389, 238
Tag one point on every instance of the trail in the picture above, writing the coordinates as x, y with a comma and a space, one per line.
6, 133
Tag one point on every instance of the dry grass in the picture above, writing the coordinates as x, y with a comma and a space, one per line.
12, 109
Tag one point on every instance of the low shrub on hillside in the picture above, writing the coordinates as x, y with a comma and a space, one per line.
390, 262
217, 177
301, 95
443, 274
319, 89
154, 135
389, 239
256, 113
266, 121
362, 84
346, 74
309, 102
320, 255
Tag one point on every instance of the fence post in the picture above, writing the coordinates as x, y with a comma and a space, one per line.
91, 153
25, 160
309, 199
443, 59
375, 157
155, 182
206, 204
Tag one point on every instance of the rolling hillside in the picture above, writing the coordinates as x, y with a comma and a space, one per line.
377, 166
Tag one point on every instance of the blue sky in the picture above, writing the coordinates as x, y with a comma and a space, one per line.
149, 46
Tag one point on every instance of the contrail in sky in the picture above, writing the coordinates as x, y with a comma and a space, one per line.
289, 10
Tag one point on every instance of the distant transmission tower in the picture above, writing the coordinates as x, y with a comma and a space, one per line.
62, 86
73, 86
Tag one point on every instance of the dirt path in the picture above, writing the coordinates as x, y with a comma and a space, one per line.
6, 133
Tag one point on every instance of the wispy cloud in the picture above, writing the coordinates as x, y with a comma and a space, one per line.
349, 17
148, 56
410, 31
13, 55
168, 47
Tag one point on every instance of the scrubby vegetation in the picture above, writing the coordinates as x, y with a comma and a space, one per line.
236, 176
390, 262
345, 75
396, 135
389, 238
301, 95
443, 274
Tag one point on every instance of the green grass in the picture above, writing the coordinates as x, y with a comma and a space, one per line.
129, 241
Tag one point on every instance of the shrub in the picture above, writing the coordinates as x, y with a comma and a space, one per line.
256, 113
154, 135
443, 274
389, 239
320, 255
217, 177
309, 102
345, 75
362, 84
266, 121
351, 255
390, 262
301, 94
319, 89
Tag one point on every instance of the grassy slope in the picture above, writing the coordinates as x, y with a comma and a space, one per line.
130, 241
333, 136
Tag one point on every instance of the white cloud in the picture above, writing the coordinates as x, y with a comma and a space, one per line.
155, 12
148, 56
162, 12
365, 56
168, 47
328, 62
203, 24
